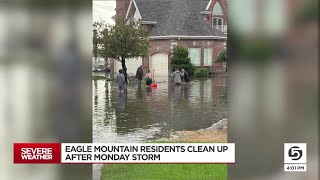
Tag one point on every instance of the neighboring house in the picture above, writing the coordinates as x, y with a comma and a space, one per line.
199, 25
99, 63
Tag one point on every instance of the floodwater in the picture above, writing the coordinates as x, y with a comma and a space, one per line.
144, 114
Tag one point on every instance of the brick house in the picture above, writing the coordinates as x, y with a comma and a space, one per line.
199, 25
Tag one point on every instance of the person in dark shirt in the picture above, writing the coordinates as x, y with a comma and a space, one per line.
139, 74
184, 76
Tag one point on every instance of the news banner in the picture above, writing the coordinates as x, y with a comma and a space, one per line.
108, 153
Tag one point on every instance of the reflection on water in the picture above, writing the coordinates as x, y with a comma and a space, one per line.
144, 113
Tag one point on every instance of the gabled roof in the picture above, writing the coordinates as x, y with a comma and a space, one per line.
177, 17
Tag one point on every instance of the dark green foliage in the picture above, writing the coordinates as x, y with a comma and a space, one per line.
201, 72
180, 60
95, 43
121, 41
222, 57
308, 13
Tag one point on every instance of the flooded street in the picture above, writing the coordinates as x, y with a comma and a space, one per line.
145, 114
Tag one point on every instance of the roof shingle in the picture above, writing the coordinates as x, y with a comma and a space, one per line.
177, 17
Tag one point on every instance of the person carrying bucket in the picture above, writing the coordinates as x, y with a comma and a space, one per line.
139, 74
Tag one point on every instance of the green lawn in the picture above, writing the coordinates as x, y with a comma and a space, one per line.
172, 171
164, 171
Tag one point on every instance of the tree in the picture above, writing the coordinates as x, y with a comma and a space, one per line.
122, 41
95, 43
222, 58
180, 60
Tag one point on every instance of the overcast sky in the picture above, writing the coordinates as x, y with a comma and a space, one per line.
103, 9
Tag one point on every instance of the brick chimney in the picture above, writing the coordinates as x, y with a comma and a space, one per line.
121, 8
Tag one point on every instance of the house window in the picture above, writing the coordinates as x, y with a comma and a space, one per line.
207, 59
217, 15
195, 56
217, 21
217, 9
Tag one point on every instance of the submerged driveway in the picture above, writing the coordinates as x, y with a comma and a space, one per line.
144, 113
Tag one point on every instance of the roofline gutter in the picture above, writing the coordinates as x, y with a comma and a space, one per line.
207, 8
187, 37
129, 7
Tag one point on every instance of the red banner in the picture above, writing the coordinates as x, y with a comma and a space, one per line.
42, 153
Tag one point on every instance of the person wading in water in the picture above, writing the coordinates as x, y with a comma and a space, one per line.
176, 77
121, 81
149, 78
139, 74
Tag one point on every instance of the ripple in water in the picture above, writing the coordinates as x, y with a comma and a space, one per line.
144, 114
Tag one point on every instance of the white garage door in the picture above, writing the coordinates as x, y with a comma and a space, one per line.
159, 62
131, 64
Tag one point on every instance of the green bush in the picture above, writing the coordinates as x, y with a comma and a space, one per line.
222, 57
190, 68
180, 60
201, 72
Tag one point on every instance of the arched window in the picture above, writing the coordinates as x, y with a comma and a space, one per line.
217, 9
217, 16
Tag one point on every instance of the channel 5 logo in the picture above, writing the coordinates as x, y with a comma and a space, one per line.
295, 153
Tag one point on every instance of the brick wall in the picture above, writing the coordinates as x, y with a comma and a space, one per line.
217, 46
156, 46
165, 46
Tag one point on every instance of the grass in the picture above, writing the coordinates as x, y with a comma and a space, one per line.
164, 171
173, 171
102, 77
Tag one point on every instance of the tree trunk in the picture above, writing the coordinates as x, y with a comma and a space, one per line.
95, 43
124, 68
